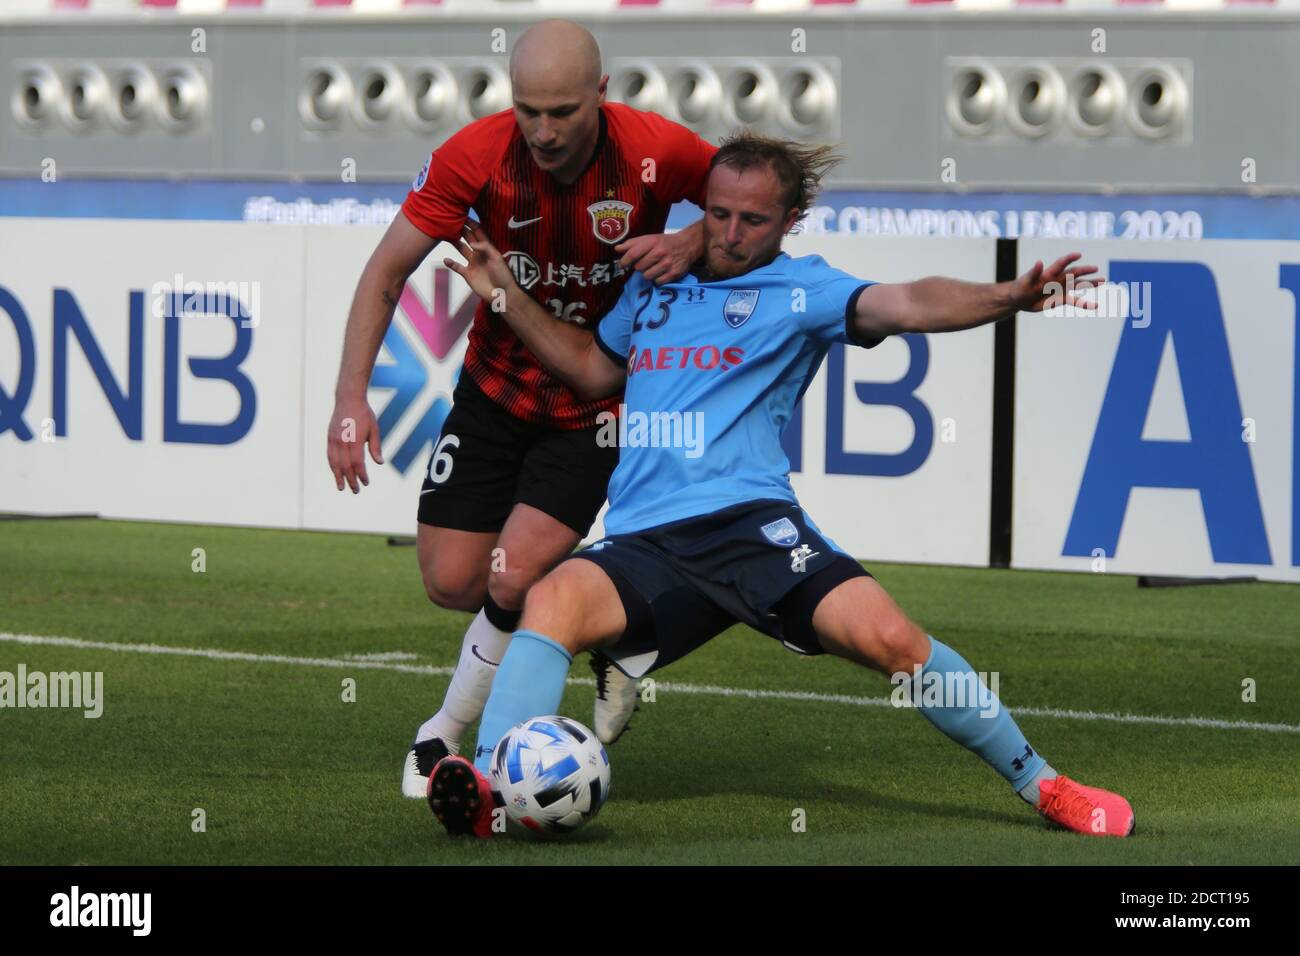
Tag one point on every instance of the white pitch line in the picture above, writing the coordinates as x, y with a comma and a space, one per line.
799, 695
213, 654
708, 690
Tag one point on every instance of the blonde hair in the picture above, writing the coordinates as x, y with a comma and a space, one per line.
798, 168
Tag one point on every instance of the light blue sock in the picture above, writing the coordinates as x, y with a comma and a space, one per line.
982, 726
528, 683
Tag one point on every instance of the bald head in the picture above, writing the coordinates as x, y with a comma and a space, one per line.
555, 56
558, 89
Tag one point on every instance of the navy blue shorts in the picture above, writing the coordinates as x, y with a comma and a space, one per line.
761, 563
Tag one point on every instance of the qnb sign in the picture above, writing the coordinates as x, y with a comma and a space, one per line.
899, 394
125, 393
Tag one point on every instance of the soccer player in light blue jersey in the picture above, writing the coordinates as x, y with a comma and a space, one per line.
703, 528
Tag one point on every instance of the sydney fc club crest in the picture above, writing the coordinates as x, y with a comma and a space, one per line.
781, 532
739, 307
610, 219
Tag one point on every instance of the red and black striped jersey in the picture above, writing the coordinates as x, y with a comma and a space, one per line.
558, 238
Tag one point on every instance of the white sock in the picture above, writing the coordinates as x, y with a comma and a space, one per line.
480, 653
1029, 792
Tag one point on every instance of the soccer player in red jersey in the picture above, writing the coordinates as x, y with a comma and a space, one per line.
575, 192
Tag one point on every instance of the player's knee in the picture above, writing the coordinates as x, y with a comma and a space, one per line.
552, 608
543, 604
509, 586
453, 591
900, 644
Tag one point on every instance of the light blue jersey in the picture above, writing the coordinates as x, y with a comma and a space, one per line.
715, 370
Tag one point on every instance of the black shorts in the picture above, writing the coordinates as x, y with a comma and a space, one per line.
762, 563
487, 460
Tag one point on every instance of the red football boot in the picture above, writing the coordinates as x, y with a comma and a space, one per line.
461, 797
1087, 810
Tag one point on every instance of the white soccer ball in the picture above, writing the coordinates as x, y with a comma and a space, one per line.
552, 773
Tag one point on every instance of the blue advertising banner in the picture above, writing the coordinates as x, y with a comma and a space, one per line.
946, 214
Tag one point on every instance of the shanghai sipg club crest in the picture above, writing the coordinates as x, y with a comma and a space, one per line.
610, 219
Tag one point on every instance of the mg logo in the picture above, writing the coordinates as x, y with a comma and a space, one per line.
418, 342
525, 269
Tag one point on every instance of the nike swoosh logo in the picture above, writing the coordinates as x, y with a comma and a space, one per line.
474, 650
527, 222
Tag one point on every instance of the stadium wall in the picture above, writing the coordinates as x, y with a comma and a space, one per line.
1159, 437
1125, 96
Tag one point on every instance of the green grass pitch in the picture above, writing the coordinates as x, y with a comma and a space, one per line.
287, 772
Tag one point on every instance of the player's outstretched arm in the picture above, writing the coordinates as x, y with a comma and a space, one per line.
353, 426
566, 350
940, 304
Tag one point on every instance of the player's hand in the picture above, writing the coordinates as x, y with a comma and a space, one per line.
352, 428
664, 257
1057, 285
485, 269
